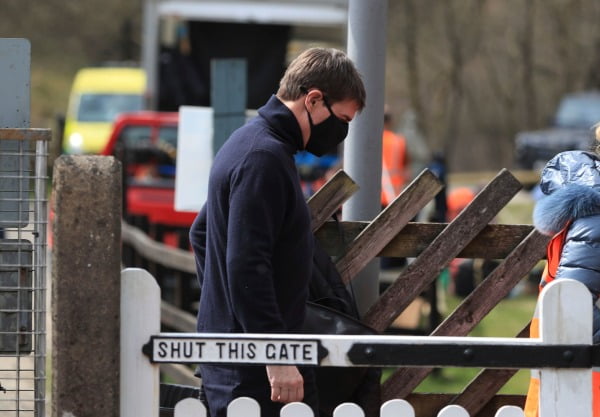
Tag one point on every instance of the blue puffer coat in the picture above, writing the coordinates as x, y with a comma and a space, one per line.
571, 181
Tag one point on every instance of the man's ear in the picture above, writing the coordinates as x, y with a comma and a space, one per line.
313, 96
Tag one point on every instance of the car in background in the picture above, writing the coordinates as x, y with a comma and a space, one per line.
571, 129
146, 144
97, 96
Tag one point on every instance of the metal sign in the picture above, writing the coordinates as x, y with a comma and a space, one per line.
361, 350
15, 169
201, 349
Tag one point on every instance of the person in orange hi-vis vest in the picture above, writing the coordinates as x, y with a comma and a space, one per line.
394, 161
570, 212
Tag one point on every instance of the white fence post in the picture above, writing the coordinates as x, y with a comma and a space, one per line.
510, 411
453, 411
189, 407
140, 318
243, 407
397, 408
566, 318
296, 410
348, 410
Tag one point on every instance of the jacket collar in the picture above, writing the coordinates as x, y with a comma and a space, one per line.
282, 123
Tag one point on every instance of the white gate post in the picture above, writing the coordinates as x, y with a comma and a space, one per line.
566, 318
190, 407
140, 318
243, 407
397, 408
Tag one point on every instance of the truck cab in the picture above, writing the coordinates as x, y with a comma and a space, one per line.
181, 37
571, 128
146, 144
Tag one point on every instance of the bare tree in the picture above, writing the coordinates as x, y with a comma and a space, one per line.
411, 36
526, 47
463, 37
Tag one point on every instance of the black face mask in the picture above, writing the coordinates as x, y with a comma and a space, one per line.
325, 136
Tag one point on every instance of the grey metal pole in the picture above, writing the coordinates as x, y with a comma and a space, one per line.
149, 51
362, 149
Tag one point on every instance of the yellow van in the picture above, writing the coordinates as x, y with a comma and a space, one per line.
97, 96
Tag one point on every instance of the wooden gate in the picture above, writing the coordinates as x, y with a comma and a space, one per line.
433, 246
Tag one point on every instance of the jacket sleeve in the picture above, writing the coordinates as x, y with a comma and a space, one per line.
580, 259
257, 208
198, 242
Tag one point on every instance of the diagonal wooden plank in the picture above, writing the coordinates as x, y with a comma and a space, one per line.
387, 224
482, 389
495, 241
446, 246
495, 287
330, 197
474, 307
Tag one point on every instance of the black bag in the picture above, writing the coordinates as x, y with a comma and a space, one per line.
332, 310
335, 385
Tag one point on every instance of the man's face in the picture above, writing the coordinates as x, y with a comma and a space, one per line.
344, 110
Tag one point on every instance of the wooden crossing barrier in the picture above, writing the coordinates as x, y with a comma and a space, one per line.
564, 353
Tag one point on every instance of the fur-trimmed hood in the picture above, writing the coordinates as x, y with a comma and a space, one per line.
571, 181
552, 213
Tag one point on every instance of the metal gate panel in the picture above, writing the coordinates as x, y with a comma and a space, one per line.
16, 295
23, 248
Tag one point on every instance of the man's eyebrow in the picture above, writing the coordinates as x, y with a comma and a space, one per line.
342, 116
346, 117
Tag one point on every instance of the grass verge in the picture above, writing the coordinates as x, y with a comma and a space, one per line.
505, 320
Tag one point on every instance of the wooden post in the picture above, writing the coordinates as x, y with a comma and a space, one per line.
86, 286
140, 312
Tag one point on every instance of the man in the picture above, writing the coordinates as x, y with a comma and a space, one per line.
394, 171
252, 239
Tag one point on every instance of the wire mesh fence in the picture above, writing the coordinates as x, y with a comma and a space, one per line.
23, 251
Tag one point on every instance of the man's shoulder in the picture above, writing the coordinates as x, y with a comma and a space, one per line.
253, 148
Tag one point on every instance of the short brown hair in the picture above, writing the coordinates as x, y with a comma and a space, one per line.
327, 69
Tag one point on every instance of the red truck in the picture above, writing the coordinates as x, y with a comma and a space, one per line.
146, 144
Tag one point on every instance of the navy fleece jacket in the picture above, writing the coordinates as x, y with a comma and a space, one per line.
252, 239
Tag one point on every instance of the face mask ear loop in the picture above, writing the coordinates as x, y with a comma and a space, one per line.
310, 120
304, 90
326, 101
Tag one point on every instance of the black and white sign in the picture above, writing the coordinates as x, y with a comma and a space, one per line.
221, 350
